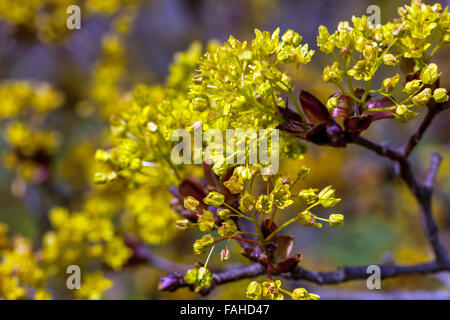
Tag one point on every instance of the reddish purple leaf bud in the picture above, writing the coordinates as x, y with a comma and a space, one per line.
288, 264
293, 122
170, 282
357, 123
384, 102
344, 108
314, 110
327, 134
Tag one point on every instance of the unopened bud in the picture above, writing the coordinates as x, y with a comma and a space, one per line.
200, 104
412, 86
182, 224
308, 219
190, 203
422, 98
440, 95
224, 254
214, 199
336, 220
100, 178
429, 74
389, 59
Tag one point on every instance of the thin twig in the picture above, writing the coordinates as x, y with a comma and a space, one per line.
417, 136
348, 273
421, 191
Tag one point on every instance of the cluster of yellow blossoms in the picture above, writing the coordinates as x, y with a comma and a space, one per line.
46, 19
21, 275
24, 107
271, 290
228, 86
215, 213
358, 52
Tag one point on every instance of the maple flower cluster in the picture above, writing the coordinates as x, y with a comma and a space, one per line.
140, 193
220, 215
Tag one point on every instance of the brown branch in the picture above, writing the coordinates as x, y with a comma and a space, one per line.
425, 208
417, 136
380, 149
175, 281
348, 273
421, 191
435, 162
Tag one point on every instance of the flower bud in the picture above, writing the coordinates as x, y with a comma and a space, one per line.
402, 11
265, 89
247, 55
264, 204
399, 30
111, 176
389, 59
333, 73
281, 194
429, 74
182, 224
102, 156
346, 52
190, 203
287, 36
223, 214
314, 296
224, 254
202, 273
300, 294
243, 172
296, 39
332, 103
308, 196
254, 290
214, 199
390, 83
412, 87
202, 244
171, 281
404, 114
200, 104
336, 220
135, 164
247, 203
370, 50
191, 276
206, 221
307, 219
234, 184
440, 95
270, 290
255, 170
326, 197
100, 178
228, 228
422, 98
303, 294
